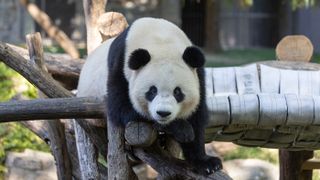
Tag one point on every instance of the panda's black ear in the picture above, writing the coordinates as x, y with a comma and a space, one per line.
194, 57
138, 58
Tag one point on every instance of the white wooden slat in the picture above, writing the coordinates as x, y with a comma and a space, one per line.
273, 109
219, 111
209, 82
224, 81
247, 79
316, 101
309, 82
244, 109
289, 82
300, 109
270, 79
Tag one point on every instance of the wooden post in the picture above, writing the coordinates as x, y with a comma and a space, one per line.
291, 165
55, 128
294, 48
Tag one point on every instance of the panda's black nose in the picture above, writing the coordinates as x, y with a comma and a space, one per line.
163, 113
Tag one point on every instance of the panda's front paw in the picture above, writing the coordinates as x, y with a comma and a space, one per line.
208, 165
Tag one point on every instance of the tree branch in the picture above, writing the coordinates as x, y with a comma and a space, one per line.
53, 31
60, 66
172, 168
32, 73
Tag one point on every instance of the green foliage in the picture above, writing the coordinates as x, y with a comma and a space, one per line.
239, 57
302, 3
13, 136
258, 153
6, 85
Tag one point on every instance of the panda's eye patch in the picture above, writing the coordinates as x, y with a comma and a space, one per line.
178, 95
152, 93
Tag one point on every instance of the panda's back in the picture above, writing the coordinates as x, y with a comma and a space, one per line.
158, 36
94, 73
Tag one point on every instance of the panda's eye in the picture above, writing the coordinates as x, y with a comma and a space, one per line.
178, 95
152, 93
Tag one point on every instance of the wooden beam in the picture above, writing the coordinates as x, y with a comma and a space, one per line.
172, 168
85, 107
311, 164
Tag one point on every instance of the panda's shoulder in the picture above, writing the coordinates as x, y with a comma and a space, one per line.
117, 50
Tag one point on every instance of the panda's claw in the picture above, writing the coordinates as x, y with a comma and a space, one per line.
208, 165
208, 171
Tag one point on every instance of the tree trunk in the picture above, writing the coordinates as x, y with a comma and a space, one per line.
92, 10
212, 38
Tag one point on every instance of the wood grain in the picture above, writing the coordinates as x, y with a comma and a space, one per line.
294, 48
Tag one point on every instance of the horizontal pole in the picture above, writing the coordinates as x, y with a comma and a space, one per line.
59, 108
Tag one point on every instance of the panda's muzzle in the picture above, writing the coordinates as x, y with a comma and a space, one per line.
164, 114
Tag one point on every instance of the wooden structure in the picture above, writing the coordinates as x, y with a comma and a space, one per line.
270, 104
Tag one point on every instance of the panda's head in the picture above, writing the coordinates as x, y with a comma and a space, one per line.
165, 90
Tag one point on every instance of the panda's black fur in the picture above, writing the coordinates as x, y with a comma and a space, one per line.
190, 132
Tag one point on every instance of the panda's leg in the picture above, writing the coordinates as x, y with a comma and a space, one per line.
194, 152
181, 130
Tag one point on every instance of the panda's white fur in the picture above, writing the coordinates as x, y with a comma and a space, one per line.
94, 73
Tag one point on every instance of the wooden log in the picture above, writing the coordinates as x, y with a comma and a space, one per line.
85, 107
111, 24
291, 165
172, 168
118, 166
228, 85
291, 65
57, 64
32, 73
140, 134
60, 66
87, 154
294, 48
55, 128
311, 164
53, 31
247, 80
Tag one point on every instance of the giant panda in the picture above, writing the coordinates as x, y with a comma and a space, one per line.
153, 73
